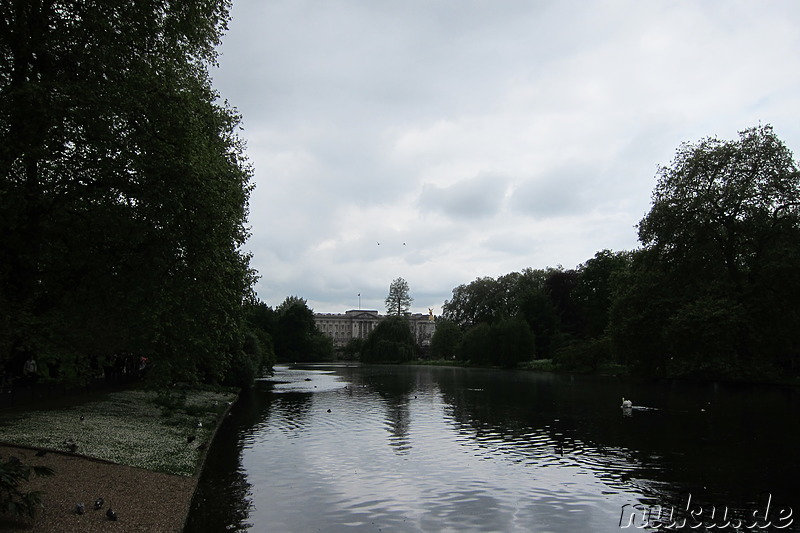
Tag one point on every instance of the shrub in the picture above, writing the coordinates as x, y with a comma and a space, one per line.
13, 500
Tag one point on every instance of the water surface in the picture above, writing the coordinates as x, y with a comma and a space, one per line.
432, 449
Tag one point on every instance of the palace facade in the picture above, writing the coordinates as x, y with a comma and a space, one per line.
359, 323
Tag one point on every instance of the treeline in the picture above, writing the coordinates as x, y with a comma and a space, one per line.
289, 333
711, 292
537, 313
123, 194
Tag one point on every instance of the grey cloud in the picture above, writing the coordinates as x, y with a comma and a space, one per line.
564, 191
583, 99
478, 197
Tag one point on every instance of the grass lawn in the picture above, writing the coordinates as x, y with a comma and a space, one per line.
162, 432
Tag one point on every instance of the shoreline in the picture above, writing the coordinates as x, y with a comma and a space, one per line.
145, 500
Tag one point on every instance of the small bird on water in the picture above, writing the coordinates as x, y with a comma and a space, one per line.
98, 503
111, 514
626, 404
80, 509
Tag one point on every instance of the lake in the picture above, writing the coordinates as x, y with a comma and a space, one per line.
350, 448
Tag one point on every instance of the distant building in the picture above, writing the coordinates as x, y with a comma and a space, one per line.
359, 323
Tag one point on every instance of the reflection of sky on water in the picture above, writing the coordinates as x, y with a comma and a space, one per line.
414, 449
405, 464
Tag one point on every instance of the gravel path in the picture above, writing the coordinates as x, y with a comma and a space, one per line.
145, 501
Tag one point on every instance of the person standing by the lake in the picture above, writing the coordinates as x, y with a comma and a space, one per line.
30, 371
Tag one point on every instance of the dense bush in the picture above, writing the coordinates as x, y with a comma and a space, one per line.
13, 500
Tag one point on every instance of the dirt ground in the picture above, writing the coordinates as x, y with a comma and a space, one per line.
145, 501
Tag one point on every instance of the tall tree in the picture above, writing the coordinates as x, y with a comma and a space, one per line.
398, 301
724, 206
721, 265
296, 336
124, 188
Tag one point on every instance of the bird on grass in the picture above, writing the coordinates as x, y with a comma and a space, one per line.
111, 514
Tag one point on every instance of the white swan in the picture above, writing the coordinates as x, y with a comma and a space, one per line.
626, 404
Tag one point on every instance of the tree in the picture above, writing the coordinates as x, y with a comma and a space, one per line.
713, 291
476, 345
124, 191
398, 301
594, 289
391, 341
724, 207
445, 339
295, 327
483, 300
512, 342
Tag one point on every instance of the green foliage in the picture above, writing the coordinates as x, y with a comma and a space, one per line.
476, 345
538, 310
445, 339
13, 500
390, 342
124, 189
398, 301
512, 342
712, 293
584, 355
506, 343
296, 336
353, 348
247, 364
321, 346
594, 291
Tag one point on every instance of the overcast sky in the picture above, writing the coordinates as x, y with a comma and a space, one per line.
476, 138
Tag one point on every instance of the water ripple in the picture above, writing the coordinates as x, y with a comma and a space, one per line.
368, 454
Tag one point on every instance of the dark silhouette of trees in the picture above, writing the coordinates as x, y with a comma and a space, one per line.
296, 335
123, 190
712, 292
717, 281
445, 340
390, 342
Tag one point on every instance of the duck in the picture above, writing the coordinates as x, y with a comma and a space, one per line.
98, 503
80, 508
111, 514
626, 404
